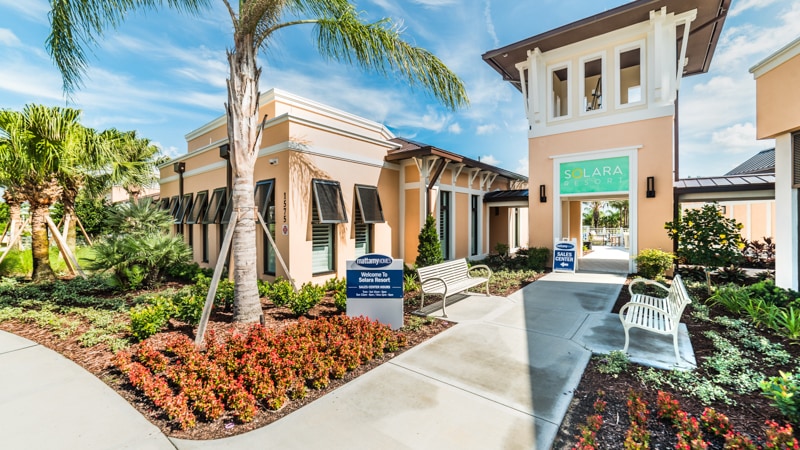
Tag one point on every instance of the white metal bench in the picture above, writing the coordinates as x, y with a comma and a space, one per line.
448, 278
660, 315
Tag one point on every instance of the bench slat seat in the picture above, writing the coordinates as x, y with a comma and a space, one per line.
655, 314
448, 278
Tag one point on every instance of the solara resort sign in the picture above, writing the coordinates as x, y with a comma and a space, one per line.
596, 175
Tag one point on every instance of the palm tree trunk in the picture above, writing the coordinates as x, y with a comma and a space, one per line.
243, 136
40, 244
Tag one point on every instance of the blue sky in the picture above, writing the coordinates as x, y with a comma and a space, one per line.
163, 75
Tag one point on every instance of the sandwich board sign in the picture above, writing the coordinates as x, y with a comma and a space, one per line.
564, 255
375, 289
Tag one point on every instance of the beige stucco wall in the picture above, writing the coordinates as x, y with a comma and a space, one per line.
654, 137
778, 100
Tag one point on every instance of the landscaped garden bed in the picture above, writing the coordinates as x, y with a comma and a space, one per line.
617, 403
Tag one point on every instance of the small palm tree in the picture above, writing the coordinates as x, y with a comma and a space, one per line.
341, 35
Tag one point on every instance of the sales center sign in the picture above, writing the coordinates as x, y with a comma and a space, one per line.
375, 276
596, 175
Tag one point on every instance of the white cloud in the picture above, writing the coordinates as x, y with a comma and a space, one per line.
454, 128
435, 3
33, 10
489, 159
523, 166
741, 6
8, 38
486, 129
487, 14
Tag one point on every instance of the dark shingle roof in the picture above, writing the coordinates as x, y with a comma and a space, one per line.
762, 163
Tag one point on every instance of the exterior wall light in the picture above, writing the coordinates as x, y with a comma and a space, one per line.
179, 167
542, 193
651, 187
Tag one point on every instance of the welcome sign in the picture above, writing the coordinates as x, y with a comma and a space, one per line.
375, 289
596, 175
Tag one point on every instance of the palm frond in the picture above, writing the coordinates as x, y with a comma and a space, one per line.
75, 24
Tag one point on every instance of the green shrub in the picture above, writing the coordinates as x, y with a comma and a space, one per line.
150, 318
614, 363
784, 391
730, 296
770, 293
653, 263
429, 250
281, 292
188, 306
534, 258
308, 297
732, 274
338, 287
140, 250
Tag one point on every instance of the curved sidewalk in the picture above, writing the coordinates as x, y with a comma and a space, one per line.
49, 402
502, 378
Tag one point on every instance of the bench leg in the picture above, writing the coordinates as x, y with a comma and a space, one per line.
444, 303
675, 343
625, 349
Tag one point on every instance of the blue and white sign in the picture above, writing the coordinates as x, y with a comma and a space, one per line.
564, 255
375, 288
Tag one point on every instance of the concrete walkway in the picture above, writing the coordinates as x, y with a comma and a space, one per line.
503, 378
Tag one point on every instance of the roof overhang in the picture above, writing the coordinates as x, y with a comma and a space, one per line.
726, 188
411, 149
703, 34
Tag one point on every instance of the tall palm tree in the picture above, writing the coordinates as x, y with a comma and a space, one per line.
341, 35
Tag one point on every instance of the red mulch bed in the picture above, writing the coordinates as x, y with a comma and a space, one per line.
97, 360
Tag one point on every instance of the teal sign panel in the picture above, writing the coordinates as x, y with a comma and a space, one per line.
596, 175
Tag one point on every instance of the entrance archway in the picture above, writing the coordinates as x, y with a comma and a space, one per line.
601, 176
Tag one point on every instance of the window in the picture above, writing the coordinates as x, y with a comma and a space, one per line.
226, 216
516, 228
328, 202
796, 160
215, 206
592, 86
560, 89
164, 204
205, 243
265, 203
630, 75
183, 207
198, 208
322, 248
444, 223
363, 239
474, 222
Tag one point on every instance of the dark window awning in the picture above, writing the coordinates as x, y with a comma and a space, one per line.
184, 206
174, 205
368, 203
215, 206
198, 208
328, 202
164, 204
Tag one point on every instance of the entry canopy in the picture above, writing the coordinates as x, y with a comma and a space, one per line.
703, 34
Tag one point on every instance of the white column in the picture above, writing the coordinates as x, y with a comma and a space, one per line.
786, 238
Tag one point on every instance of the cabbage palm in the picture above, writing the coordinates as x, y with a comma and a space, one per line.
340, 34
34, 147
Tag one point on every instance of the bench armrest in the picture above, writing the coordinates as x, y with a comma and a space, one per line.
435, 280
482, 267
646, 281
643, 306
